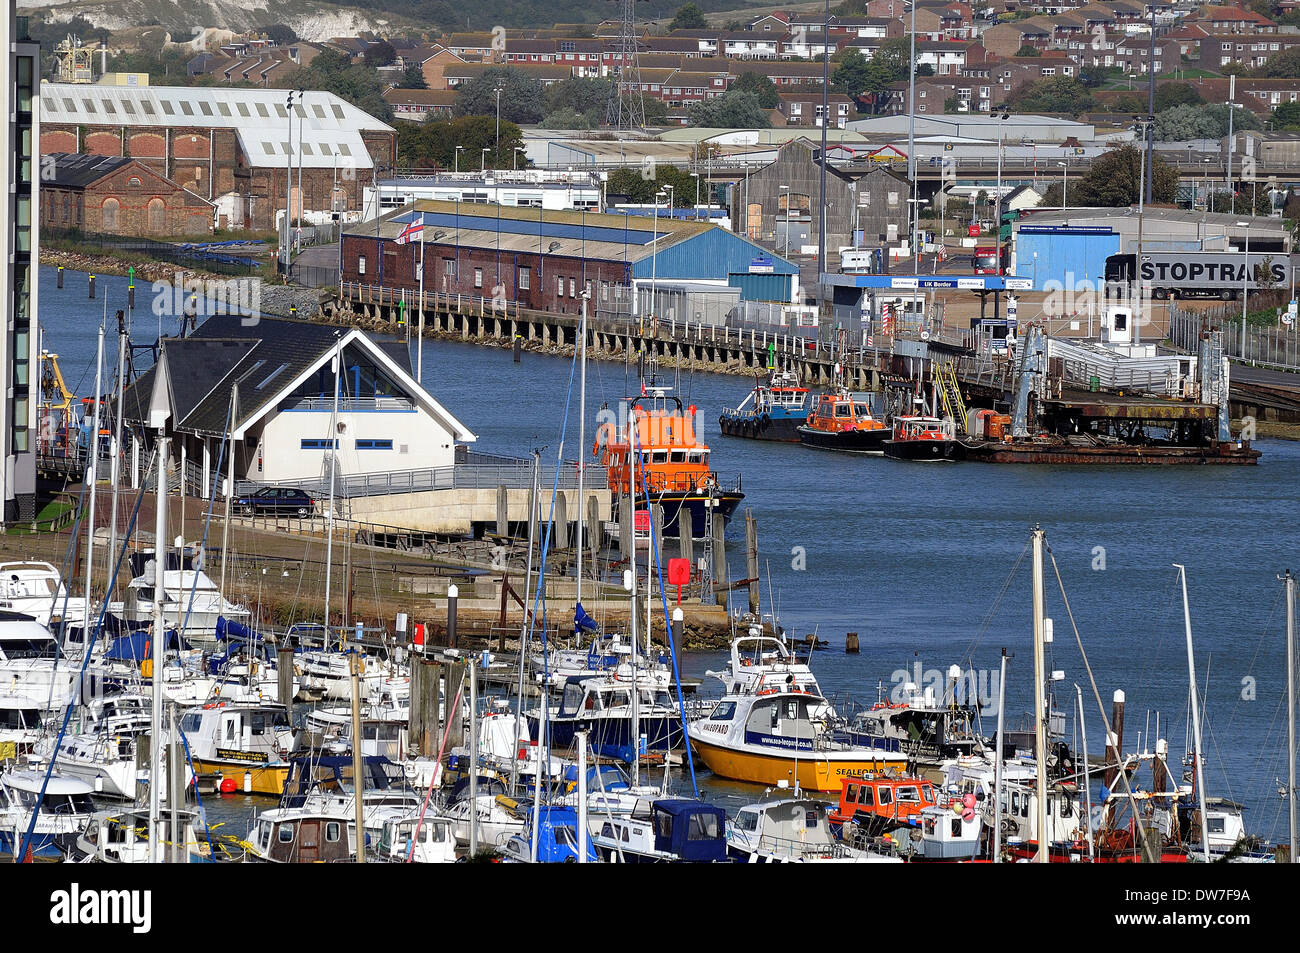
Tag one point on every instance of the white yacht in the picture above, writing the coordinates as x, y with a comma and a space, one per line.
36, 589
32, 667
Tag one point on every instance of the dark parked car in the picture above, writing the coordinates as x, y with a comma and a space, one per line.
277, 501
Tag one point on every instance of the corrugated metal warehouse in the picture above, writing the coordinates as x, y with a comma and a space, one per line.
542, 259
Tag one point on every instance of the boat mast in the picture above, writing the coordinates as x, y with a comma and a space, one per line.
1087, 785
115, 466
523, 627
230, 493
582, 429
1290, 709
1040, 724
997, 765
330, 445
92, 472
1196, 719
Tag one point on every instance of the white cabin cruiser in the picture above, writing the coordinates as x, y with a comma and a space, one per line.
32, 666
791, 830
37, 589
191, 603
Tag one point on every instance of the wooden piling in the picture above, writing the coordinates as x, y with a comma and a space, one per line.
425, 675
560, 534
503, 510
851, 644
719, 557
284, 675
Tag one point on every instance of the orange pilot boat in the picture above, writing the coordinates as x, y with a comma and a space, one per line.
652, 446
842, 421
879, 804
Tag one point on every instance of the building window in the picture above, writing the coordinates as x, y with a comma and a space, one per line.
319, 444
108, 218
559, 286
525, 278
478, 277
573, 288
449, 267
361, 264
373, 444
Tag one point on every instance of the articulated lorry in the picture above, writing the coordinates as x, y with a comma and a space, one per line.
1201, 274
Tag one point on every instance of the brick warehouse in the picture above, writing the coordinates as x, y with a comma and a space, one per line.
117, 196
229, 146
544, 259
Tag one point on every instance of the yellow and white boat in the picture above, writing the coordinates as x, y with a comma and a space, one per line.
775, 734
247, 744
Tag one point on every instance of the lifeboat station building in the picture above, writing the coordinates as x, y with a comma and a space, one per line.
397, 455
544, 259
285, 426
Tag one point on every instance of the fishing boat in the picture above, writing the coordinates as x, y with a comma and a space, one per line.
772, 736
918, 727
669, 462
874, 805
773, 410
603, 707
248, 744
122, 837
941, 833
557, 838
411, 837
759, 662
843, 421
670, 830
922, 439
290, 835
63, 812
787, 830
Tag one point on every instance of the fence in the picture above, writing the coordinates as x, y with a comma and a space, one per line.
314, 276
1274, 347
226, 258
477, 471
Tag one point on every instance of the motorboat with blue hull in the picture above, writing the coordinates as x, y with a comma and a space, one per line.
773, 410
670, 830
603, 708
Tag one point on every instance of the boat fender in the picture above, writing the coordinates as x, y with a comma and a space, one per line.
408, 768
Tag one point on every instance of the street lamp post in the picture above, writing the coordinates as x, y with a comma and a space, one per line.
786, 189
1065, 179
696, 177
456, 162
1245, 278
483, 164
498, 138
998, 221
514, 159
288, 178
654, 252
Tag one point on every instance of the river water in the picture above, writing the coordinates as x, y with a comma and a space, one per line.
919, 559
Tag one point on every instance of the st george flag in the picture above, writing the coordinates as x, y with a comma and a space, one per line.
413, 232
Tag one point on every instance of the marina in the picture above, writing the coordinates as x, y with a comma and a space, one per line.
894, 694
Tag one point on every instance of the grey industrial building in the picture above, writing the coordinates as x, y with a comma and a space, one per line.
779, 205
20, 251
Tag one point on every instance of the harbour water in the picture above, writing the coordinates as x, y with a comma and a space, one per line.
918, 559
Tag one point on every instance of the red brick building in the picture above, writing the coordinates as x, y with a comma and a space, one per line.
115, 195
229, 146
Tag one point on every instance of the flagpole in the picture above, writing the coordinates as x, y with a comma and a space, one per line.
419, 347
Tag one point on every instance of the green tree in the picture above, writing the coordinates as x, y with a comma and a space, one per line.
1176, 94
1114, 179
413, 77
280, 34
521, 95
379, 54
334, 72
641, 190
856, 75
656, 112
1287, 116
566, 117
586, 97
1061, 94
732, 110
1029, 50
689, 17
760, 86
432, 144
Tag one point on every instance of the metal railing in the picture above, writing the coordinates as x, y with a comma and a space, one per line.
326, 404
484, 472
1273, 347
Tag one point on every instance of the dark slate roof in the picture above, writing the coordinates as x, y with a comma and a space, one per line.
71, 170
223, 352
